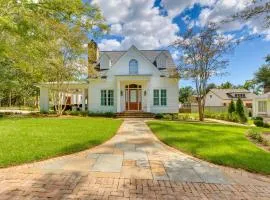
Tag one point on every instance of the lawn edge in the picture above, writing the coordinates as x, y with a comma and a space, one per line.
200, 158
59, 156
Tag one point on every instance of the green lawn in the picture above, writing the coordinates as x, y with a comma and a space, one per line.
220, 144
28, 139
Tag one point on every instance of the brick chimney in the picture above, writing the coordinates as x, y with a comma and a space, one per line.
93, 55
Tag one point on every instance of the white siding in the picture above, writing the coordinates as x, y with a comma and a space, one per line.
161, 61
153, 81
94, 96
212, 99
171, 85
105, 62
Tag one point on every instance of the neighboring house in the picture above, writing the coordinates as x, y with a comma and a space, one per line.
261, 105
223, 97
132, 80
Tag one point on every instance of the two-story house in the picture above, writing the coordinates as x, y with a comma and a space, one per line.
131, 80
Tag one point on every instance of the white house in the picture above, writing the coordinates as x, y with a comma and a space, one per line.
132, 80
223, 97
261, 105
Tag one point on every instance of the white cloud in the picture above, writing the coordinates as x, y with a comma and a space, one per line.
139, 23
224, 9
109, 44
175, 7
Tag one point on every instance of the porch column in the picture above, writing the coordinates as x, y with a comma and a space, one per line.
83, 99
118, 97
44, 99
254, 107
148, 96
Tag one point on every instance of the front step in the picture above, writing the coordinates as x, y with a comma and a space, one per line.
135, 115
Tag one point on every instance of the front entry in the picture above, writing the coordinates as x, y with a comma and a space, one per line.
133, 97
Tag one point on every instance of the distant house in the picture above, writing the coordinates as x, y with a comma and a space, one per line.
222, 97
261, 105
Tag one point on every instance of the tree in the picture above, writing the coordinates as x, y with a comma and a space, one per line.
240, 110
203, 52
257, 9
262, 76
226, 85
38, 38
210, 86
231, 107
185, 94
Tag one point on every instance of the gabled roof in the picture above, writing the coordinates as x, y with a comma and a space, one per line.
149, 54
264, 96
227, 94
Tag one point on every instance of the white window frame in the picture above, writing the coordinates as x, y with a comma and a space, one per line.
106, 97
133, 66
262, 106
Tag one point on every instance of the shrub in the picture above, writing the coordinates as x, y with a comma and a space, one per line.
1, 115
266, 125
258, 123
255, 135
167, 117
159, 116
258, 118
231, 107
240, 110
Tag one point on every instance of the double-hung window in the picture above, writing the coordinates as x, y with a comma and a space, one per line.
262, 106
163, 97
160, 97
106, 98
156, 97
110, 97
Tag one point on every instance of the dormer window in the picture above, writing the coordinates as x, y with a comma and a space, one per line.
133, 66
240, 96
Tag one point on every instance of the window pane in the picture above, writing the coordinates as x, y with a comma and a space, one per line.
133, 66
163, 98
103, 98
110, 98
156, 97
262, 106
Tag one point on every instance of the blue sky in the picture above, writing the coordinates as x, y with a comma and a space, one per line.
155, 24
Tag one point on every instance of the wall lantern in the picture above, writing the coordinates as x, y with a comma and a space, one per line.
144, 92
121, 93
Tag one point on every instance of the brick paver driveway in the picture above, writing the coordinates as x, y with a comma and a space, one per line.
132, 165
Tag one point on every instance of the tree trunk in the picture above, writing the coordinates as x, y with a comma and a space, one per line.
200, 109
10, 99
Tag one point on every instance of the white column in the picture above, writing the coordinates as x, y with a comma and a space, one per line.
118, 97
148, 96
254, 107
83, 99
44, 99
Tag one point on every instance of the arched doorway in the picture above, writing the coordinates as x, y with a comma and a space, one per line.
133, 97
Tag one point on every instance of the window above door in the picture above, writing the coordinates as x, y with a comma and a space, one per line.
133, 66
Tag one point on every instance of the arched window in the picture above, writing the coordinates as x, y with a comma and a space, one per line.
133, 66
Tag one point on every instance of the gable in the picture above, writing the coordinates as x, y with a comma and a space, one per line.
145, 67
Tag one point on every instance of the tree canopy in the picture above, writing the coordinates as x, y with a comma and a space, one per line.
39, 39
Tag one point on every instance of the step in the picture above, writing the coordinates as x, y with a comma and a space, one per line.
135, 115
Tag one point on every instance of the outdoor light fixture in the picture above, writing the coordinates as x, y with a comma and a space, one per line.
121, 93
144, 92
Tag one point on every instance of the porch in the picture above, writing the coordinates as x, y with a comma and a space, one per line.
133, 94
73, 95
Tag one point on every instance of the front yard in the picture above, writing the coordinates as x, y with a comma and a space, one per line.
29, 139
216, 143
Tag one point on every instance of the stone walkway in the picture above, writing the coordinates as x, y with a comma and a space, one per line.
132, 165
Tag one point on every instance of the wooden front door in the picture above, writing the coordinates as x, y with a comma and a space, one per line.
133, 97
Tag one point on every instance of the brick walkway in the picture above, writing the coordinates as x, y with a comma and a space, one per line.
132, 165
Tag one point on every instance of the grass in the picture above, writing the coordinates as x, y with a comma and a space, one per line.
216, 143
30, 139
